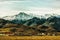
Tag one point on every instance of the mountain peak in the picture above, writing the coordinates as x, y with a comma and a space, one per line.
23, 16
22, 13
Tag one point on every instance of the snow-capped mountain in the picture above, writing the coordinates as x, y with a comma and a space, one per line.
9, 18
45, 16
23, 16
32, 20
20, 16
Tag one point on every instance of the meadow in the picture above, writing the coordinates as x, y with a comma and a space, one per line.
29, 37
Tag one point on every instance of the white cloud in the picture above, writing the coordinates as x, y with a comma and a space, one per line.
6, 12
12, 7
42, 11
14, 0
34, 10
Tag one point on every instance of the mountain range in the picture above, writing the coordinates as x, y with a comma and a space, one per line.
29, 20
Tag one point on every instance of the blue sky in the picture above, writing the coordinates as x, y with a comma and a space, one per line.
40, 7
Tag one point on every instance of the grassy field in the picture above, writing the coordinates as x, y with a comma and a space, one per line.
29, 37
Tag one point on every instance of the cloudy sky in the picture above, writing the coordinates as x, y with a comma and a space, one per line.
39, 7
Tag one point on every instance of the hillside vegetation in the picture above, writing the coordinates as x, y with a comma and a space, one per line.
23, 24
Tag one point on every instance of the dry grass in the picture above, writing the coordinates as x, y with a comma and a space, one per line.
5, 29
29, 37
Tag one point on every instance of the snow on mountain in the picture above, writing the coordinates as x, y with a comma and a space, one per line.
20, 16
24, 16
9, 18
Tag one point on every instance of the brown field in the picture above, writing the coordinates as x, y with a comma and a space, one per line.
29, 37
26, 37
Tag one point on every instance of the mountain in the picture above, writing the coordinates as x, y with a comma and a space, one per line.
23, 16
3, 22
34, 21
20, 16
30, 20
53, 21
10, 18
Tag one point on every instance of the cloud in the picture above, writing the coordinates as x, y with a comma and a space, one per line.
42, 11
37, 3
14, 0
6, 12
12, 7
10, 0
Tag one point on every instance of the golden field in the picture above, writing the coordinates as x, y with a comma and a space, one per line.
29, 37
